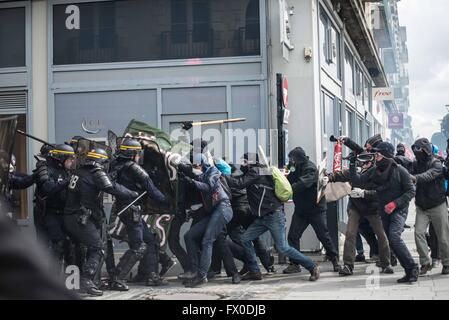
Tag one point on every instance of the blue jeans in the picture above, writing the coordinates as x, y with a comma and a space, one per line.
394, 226
206, 231
275, 223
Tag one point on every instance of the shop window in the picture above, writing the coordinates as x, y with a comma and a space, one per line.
144, 30
12, 37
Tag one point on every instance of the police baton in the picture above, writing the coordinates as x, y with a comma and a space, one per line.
129, 205
34, 138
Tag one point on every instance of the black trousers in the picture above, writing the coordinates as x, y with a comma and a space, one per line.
174, 241
88, 235
317, 220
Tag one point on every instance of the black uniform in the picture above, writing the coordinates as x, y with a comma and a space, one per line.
83, 214
143, 243
51, 184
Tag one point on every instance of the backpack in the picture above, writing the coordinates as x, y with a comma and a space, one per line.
282, 187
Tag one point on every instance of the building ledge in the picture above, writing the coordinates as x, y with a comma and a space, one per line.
352, 14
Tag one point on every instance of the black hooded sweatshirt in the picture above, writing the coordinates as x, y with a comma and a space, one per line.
304, 184
430, 190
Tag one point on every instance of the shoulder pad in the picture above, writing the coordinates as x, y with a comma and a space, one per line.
137, 170
41, 172
101, 179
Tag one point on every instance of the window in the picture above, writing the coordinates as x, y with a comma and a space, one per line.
349, 71
329, 46
145, 30
12, 37
360, 130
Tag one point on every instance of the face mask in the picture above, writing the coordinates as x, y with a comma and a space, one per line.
382, 164
421, 156
197, 172
244, 169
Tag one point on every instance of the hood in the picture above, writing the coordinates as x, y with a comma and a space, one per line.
298, 154
424, 144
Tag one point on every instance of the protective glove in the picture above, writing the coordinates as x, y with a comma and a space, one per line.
357, 193
389, 208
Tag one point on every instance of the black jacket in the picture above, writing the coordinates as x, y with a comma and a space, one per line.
430, 190
259, 189
364, 206
404, 161
398, 187
304, 184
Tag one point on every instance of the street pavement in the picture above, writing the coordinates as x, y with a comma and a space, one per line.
363, 285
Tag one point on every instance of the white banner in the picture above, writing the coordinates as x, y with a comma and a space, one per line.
382, 94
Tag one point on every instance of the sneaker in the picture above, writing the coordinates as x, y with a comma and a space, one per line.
347, 270
315, 274
196, 282
155, 280
373, 259
236, 278
445, 270
435, 263
292, 268
252, 276
424, 269
271, 270
187, 275
167, 266
387, 270
360, 258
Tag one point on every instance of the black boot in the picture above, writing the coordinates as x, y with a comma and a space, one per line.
252, 276
155, 280
347, 270
88, 287
196, 282
166, 266
335, 264
118, 285
410, 276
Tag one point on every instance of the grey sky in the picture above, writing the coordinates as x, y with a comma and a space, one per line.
427, 25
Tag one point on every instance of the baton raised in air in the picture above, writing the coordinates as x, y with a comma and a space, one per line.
34, 138
132, 202
186, 125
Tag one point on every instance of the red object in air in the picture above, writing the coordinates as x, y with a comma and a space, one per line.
337, 157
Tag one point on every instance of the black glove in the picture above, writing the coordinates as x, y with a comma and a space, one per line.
352, 157
187, 179
185, 168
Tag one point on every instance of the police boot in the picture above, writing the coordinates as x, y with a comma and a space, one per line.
88, 286
155, 280
126, 263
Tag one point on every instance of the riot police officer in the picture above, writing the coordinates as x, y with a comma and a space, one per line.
143, 244
51, 178
84, 214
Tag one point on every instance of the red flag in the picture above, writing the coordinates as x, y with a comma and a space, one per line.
337, 157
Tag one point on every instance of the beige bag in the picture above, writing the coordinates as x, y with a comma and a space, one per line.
337, 190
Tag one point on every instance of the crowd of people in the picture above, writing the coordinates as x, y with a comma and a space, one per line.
230, 207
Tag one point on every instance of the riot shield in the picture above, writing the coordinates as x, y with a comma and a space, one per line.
8, 127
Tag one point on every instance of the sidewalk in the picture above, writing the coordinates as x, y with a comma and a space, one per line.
360, 286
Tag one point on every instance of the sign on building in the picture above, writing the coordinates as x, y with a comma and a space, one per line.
396, 120
382, 94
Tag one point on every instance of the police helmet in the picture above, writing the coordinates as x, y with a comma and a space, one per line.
97, 155
129, 148
61, 152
